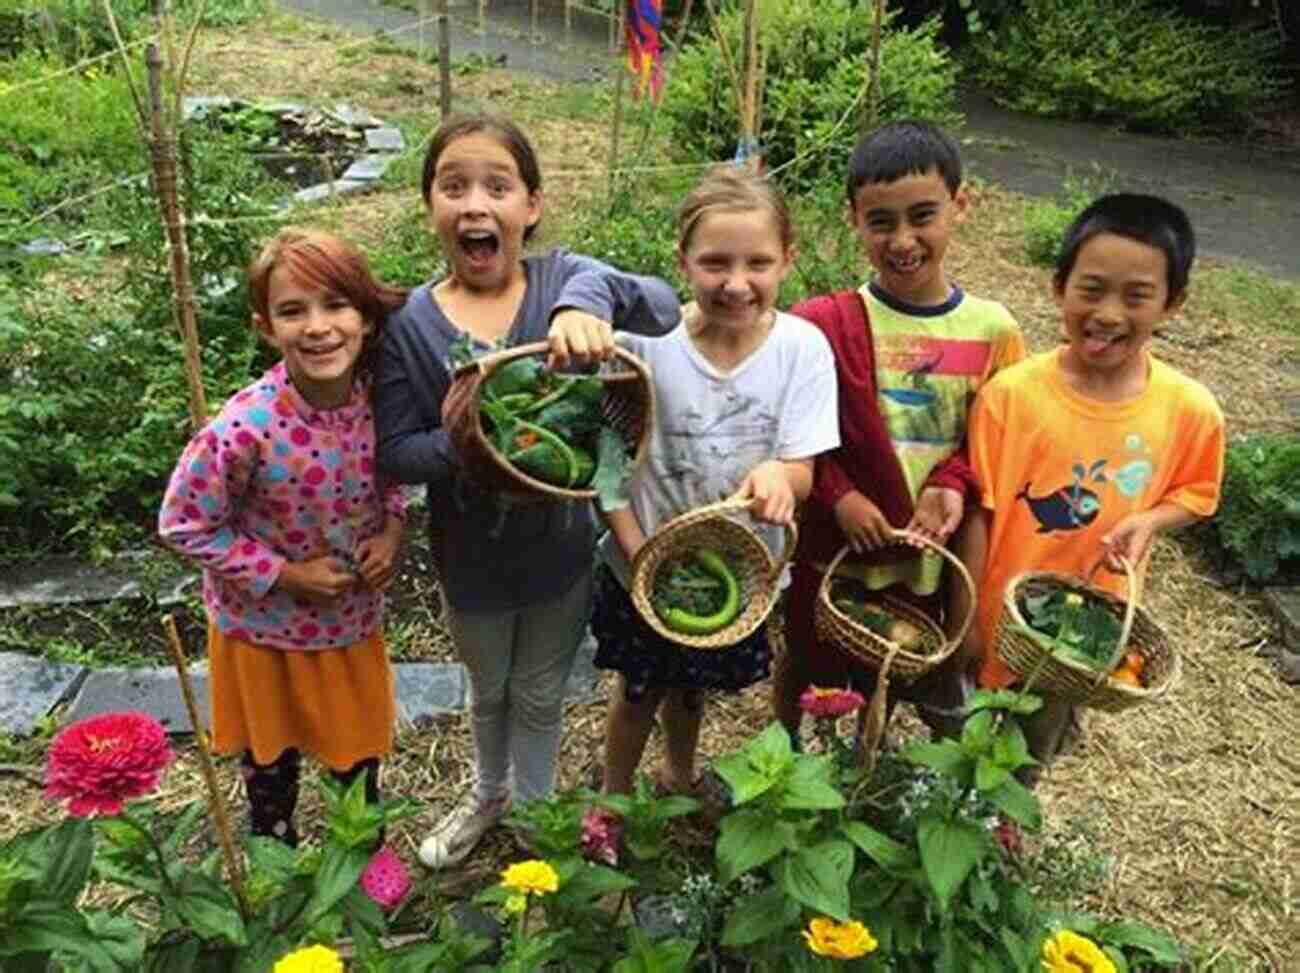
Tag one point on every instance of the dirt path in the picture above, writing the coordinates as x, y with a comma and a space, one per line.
1244, 200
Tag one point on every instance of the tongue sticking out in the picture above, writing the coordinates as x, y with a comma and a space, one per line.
479, 249
1095, 345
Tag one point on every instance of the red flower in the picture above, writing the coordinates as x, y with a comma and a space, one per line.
829, 702
1008, 835
100, 762
385, 879
601, 831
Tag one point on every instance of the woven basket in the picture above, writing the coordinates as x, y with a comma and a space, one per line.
627, 406
1073, 680
839, 629
711, 526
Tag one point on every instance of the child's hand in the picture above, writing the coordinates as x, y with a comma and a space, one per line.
578, 335
377, 556
864, 526
938, 513
768, 489
322, 580
1130, 538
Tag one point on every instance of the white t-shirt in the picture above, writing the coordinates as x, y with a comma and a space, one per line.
711, 428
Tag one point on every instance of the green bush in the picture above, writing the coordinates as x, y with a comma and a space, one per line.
1046, 220
637, 232
1127, 61
93, 400
1259, 517
815, 72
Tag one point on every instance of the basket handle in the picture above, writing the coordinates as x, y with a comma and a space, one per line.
485, 363
1130, 611
735, 505
903, 536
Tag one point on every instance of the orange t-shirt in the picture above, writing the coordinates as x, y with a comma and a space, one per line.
1059, 470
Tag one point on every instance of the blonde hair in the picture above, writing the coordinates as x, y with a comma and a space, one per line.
732, 189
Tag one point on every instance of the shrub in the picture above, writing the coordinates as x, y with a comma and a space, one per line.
1046, 220
1126, 61
815, 72
637, 232
1259, 517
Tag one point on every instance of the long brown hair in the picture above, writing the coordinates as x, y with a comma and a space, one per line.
318, 258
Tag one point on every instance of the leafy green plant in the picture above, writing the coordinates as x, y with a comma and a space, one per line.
1259, 516
1046, 220
1072, 626
815, 75
1134, 63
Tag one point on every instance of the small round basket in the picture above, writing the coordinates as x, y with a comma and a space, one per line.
713, 526
1072, 680
627, 406
833, 625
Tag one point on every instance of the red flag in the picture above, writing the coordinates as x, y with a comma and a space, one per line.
645, 57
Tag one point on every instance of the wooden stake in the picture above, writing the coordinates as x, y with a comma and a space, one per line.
869, 117
162, 155
620, 79
444, 60
234, 866
749, 94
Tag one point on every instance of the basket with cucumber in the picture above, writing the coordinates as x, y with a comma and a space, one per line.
540, 434
705, 579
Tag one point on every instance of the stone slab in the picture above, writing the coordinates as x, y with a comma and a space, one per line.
368, 167
43, 247
340, 187
356, 117
584, 681
30, 687
64, 581
429, 689
385, 139
1285, 604
201, 104
153, 691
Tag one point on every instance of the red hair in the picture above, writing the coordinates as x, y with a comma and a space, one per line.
316, 258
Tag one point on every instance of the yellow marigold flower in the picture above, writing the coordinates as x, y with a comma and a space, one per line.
531, 877
1074, 600
1068, 952
839, 940
313, 959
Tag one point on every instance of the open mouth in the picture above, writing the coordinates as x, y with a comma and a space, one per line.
479, 246
322, 352
1097, 341
906, 265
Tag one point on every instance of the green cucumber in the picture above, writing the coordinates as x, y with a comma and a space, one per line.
686, 623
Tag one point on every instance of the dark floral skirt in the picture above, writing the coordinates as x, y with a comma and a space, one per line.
626, 644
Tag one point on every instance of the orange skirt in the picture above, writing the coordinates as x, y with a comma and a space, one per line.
335, 704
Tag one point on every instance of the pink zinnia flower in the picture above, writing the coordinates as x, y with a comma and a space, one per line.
601, 831
1008, 835
824, 703
100, 762
385, 879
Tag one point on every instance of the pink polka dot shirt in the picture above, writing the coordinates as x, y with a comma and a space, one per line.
274, 479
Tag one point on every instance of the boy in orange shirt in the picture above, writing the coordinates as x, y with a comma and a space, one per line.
1085, 452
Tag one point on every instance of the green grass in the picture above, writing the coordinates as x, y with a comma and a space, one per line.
1241, 294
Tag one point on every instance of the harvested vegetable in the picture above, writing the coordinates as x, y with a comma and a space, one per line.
853, 599
1072, 626
550, 426
697, 594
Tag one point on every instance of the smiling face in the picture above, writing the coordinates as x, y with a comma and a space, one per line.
1116, 294
481, 207
905, 226
734, 261
320, 335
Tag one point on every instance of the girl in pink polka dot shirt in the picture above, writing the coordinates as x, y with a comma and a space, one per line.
278, 499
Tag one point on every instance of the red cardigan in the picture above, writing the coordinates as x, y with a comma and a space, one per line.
865, 460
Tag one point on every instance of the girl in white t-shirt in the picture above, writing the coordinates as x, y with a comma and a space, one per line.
745, 398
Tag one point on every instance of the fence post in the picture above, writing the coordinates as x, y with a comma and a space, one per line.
444, 60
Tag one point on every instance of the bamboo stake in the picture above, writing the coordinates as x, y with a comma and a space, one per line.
162, 154
444, 60
620, 80
140, 113
749, 95
870, 115
724, 49
234, 867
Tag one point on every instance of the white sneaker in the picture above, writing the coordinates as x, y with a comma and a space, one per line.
461, 830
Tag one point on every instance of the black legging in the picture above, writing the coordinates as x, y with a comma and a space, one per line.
273, 791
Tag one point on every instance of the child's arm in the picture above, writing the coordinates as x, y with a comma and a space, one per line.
775, 488
410, 445
595, 299
376, 556
1132, 536
198, 520
626, 530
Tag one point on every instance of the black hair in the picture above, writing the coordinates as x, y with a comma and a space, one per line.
911, 147
511, 137
1147, 219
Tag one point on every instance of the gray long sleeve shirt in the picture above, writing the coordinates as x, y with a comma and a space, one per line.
493, 556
